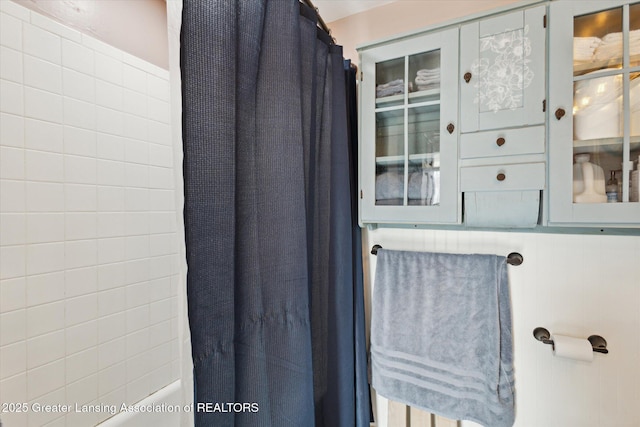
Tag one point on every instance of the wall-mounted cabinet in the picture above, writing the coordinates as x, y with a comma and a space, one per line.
594, 126
530, 109
409, 135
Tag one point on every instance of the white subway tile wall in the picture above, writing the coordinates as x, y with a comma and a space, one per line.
88, 238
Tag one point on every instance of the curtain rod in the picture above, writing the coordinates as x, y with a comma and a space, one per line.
321, 22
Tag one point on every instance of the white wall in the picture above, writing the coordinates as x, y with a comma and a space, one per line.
138, 27
88, 246
399, 17
576, 285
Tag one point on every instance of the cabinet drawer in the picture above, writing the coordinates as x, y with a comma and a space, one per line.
503, 142
525, 176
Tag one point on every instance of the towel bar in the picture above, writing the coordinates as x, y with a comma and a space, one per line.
598, 343
514, 258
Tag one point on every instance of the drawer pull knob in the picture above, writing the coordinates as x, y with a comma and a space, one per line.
560, 113
450, 127
500, 141
501, 177
467, 76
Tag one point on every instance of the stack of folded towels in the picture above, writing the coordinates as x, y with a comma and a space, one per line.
424, 188
394, 87
428, 79
611, 46
587, 49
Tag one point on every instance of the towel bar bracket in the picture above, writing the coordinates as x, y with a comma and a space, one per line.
374, 249
514, 258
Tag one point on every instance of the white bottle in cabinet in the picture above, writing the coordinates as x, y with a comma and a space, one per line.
502, 71
408, 131
594, 100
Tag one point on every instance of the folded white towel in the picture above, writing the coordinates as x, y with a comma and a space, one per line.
428, 79
428, 72
608, 51
612, 44
428, 87
395, 90
394, 87
612, 38
587, 40
584, 47
392, 83
617, 37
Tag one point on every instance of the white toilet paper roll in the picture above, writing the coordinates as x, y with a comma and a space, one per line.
572, 348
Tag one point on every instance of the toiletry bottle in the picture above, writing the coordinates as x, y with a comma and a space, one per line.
588, 181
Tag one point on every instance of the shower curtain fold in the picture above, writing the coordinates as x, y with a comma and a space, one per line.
274, 277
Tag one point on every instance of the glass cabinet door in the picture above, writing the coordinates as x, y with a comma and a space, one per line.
407, 174
606, 120
604, 114
408, 130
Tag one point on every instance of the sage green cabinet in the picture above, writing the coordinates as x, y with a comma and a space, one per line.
525, 109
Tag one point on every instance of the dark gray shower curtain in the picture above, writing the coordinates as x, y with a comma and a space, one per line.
274, 276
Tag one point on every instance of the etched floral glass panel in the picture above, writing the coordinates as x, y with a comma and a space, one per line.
502, 71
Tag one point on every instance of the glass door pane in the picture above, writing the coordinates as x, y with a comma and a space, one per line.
634, 107
424, 77
634, 35
605, 97
390, 157
390, 84
424, 155
597, 41
634, 101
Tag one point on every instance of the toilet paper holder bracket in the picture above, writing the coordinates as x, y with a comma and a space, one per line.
598, 343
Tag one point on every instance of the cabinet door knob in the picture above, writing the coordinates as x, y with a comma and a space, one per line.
467, 76
501, 176
450, 127
500, 141
560, 113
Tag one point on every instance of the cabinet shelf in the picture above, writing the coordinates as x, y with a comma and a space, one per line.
414, 159
612, 144
386, 100
580, 68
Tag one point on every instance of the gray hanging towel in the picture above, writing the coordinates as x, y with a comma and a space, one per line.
441, 335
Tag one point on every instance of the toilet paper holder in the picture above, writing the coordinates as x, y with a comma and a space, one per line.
598, 343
